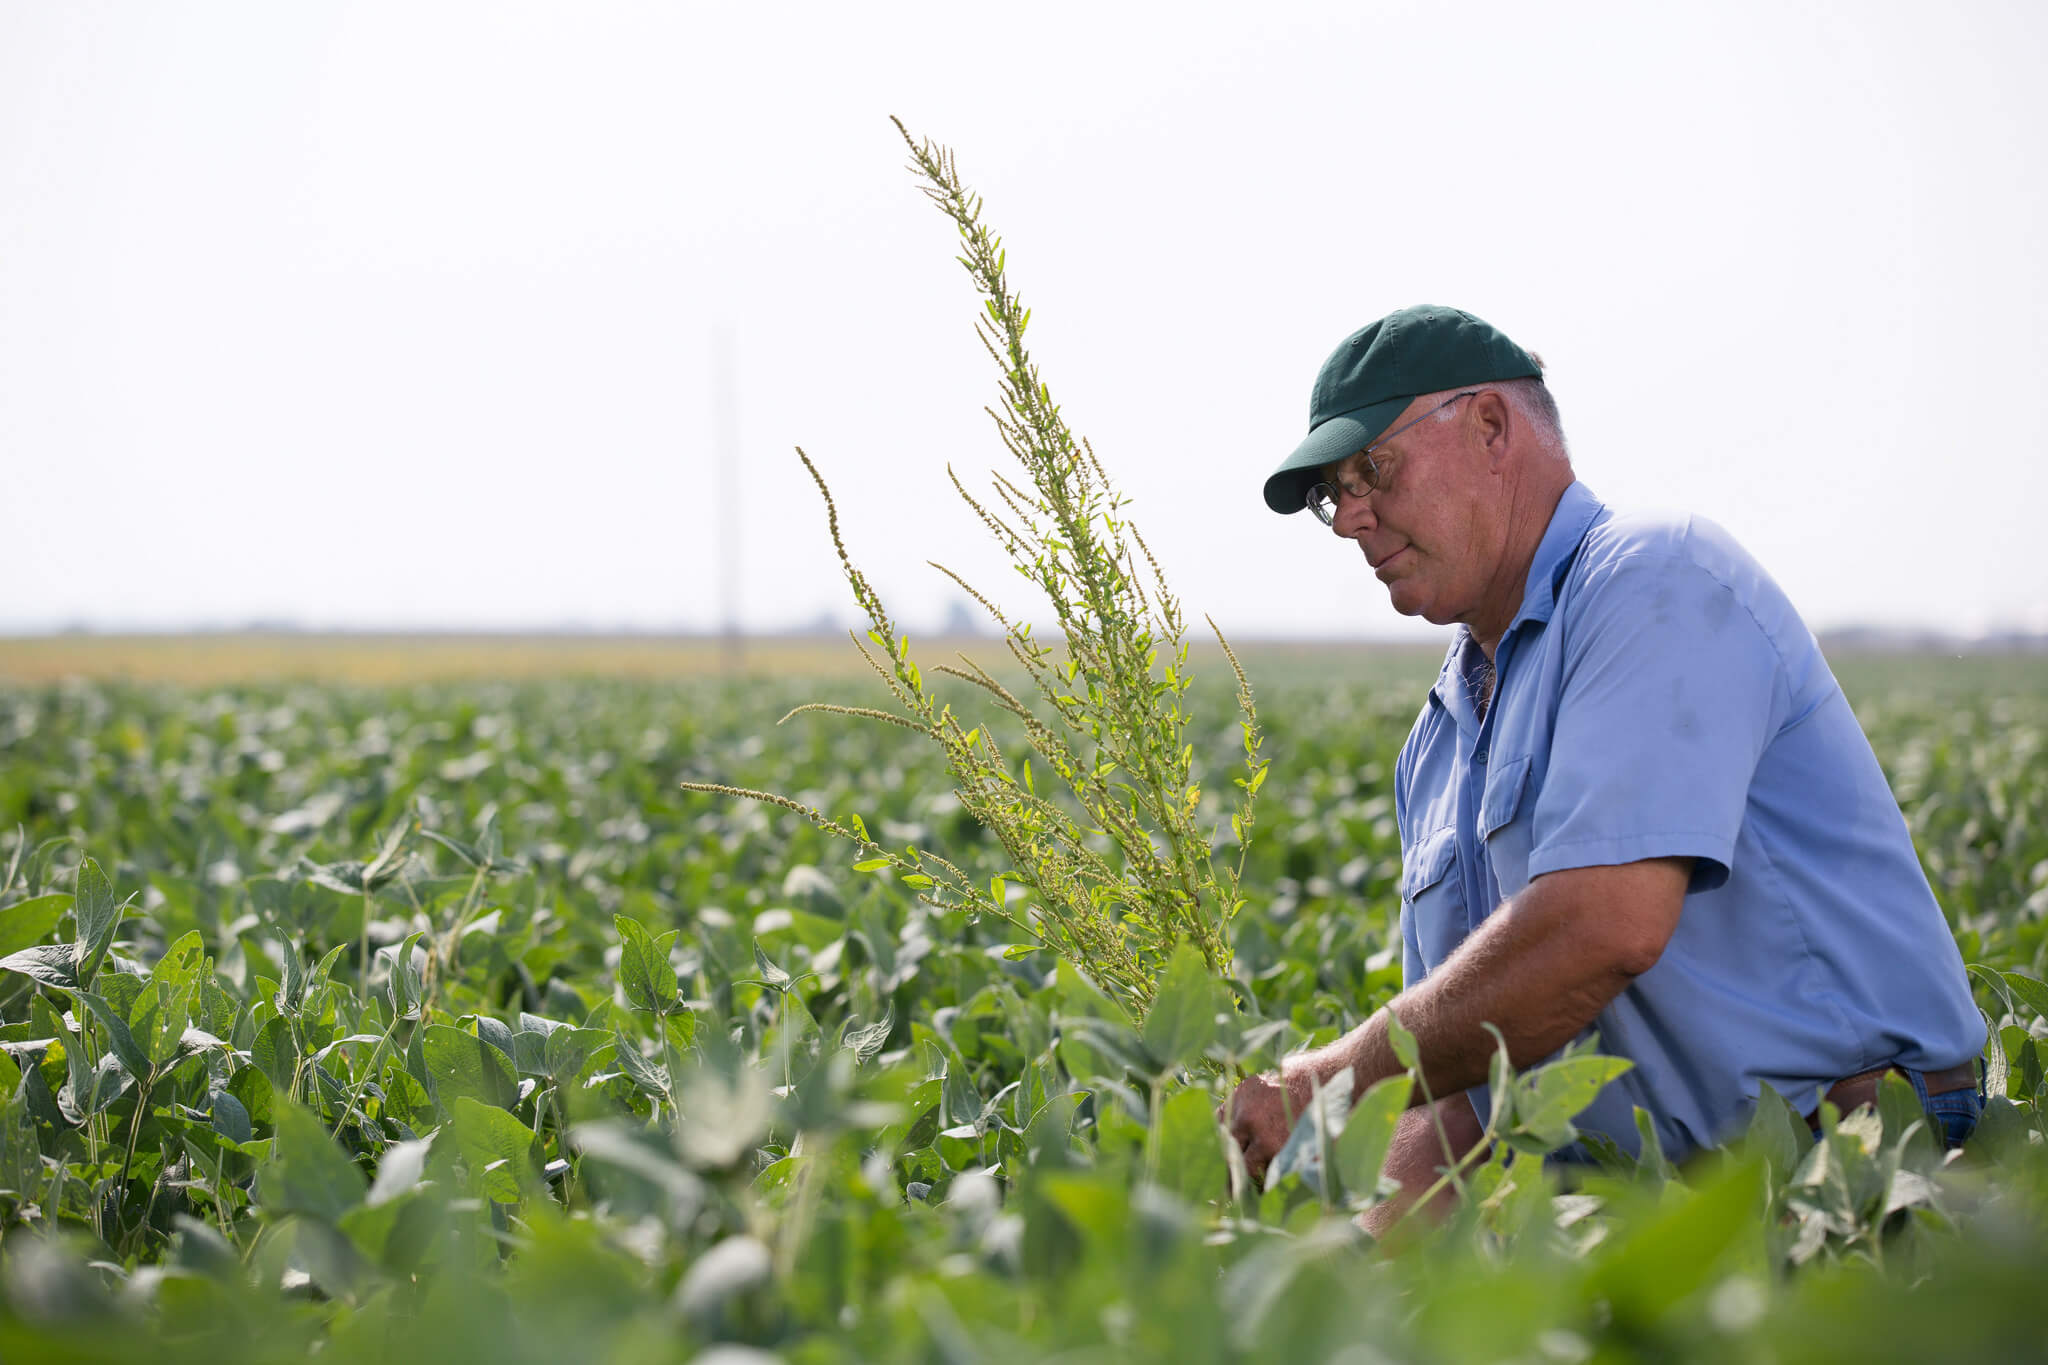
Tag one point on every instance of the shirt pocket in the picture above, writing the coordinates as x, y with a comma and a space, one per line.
1431, 898
1504, 826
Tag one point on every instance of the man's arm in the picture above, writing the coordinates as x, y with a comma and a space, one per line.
1539, 969
1416, 1158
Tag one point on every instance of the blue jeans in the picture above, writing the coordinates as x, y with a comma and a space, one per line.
1954, 1115
1951, 1117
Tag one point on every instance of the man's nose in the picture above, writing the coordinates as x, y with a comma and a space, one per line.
1354, 514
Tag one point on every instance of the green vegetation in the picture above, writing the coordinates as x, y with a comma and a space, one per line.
634, 1072
1122, 872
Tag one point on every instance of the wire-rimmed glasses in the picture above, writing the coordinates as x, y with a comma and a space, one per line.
1360, 474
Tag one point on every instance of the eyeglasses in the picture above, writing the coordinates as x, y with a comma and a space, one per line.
1367, 475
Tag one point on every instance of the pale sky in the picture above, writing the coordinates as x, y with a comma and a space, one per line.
404, 314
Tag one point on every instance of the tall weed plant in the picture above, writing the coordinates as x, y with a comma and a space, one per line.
1106, 830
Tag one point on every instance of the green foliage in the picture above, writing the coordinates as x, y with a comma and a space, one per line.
1120, 862
642, 1080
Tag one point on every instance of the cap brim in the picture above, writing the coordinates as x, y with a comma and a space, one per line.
1287, 487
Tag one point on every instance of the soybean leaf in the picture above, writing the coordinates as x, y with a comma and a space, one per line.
1403, 1042
325, 968
1368, 1133
29, 922
567, 1049
256, 1094
1651, 1166
1191, 1147
53, 964
398, 1170
291, 992
615, 1144
776, 978
1663, 1259
530, 1043
1550, 1097
408, 977
1182, 1020
21, 1158
1104, 1047
496, 1033
406, 1100
345, 1040
645, 973
180, 966
1777, 1134
2029, 991
276, 1054
120, 990
229, 1118
651, 1077
461, 1064
387, 863
97, 916
724, 1116
497, 1148
1905, 1126
1500, 1083
469, 853
1321, 1123
132, 1058
925, 1128
212, 1007
104, 1082
158, 1019
864, 1043
306, 1172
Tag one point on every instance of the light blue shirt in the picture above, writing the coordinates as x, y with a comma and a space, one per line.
1658, 696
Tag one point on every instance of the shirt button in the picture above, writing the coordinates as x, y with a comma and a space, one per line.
1479, 755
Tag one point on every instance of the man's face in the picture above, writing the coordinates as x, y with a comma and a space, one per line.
1431, 530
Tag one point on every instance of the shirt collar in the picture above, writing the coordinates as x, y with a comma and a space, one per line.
1574, 516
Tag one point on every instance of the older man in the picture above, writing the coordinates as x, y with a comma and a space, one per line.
1635, 800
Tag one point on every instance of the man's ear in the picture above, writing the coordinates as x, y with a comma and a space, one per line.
1493, 423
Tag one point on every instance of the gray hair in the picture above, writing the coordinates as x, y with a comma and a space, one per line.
1533, 402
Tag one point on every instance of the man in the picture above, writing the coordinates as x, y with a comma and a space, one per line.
1635, 801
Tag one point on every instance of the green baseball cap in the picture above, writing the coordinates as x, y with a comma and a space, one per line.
1376, 373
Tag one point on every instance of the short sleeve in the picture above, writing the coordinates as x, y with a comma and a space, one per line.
1668, 694
1412, 969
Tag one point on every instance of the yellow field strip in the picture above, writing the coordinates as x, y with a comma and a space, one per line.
388, 659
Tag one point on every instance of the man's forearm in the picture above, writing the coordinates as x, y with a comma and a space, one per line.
1417, 1156
1540, 969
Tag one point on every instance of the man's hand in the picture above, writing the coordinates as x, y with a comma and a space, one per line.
1541, 968
1259, 1115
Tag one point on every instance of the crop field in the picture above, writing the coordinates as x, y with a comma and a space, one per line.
432, 1019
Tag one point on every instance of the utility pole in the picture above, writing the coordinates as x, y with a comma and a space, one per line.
726, 441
